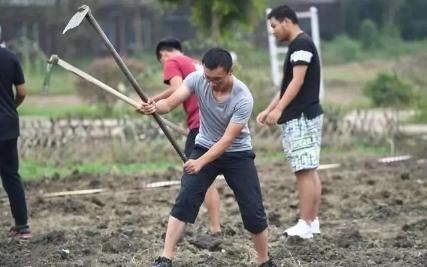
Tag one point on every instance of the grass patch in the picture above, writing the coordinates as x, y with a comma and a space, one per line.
343, 49
61, 82
361, 149
33, 170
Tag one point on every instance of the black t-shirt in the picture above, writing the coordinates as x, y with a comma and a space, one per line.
10, 74
302, 51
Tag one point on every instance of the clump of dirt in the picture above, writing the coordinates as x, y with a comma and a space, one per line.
371, 215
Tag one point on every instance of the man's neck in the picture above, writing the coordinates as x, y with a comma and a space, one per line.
222, 94
295, 32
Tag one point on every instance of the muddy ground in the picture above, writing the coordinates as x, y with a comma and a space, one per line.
372, 215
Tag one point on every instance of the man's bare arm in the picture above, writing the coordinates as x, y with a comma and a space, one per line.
232, 132
166, 105
21, 93
174, 84
294, 86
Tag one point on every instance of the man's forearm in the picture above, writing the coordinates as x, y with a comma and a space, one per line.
163, 106
19, 99
216, 150
165, 94
289, 95
273, 102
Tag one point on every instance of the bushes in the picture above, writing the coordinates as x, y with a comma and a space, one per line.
388, 90
341, 50
369, 34
108, 72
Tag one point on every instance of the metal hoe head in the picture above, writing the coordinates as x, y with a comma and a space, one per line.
77, 18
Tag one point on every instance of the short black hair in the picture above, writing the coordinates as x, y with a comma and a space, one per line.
282, 12
217, 57
168, 44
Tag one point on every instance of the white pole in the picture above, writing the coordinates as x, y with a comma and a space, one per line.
315, 32
275, 72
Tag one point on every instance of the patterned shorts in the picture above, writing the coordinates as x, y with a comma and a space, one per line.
301, 139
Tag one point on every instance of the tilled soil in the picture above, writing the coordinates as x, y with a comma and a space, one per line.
372, 214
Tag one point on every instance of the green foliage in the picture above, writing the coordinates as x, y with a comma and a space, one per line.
413, 19
61, 82
341, 50
32, 170
396, 18
217, 18
369, 34
421, 115
388, 90
357, 11
344, 49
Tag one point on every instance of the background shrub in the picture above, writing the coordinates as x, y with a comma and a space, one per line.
107, 71
388, 90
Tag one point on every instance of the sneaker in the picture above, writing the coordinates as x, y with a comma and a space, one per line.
301, 229
162, 262
315, 226
21, 232
268, 263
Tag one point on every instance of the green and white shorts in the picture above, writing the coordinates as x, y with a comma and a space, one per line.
301, 139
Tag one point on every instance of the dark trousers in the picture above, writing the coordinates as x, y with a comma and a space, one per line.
9, 164
191, 141
240, 174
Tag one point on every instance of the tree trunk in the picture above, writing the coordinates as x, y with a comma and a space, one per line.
391, 8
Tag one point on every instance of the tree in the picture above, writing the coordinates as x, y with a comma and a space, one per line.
217, 18
382, 12
389, 15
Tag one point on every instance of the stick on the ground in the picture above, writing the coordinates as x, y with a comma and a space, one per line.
74, 193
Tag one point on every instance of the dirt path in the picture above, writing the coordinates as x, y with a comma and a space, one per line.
372, 215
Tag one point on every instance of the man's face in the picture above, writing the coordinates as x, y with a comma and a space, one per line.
218, 78
280, 29
164, 56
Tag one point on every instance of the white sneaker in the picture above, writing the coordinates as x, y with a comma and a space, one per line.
301, 229
315, 226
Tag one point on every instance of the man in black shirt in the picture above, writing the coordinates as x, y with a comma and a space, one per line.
11, 75
297, 110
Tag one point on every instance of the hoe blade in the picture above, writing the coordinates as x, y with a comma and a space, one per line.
77, 18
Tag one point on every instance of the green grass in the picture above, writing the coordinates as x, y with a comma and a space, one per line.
61, 82
32, 170
343, 50
361, 149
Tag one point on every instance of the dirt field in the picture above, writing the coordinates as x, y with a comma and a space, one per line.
372, 215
